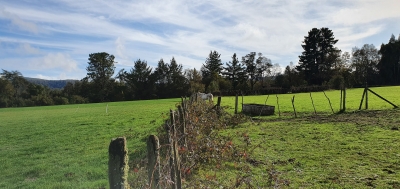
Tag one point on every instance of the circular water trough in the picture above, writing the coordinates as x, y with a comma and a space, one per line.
258, 109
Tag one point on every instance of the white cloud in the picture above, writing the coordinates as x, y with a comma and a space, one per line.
55, 60
27, 49
17, 21
188, 30
120, 48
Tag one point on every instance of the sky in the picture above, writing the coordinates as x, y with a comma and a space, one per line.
53, 39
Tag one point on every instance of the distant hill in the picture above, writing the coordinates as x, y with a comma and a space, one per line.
52, 84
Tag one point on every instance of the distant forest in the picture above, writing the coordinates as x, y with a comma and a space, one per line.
321, 66
52, 84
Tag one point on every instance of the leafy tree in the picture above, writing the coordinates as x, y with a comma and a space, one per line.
251, 68
290, 77
364, 64
313, 64
100, 70
212, 68
389, 65
18, 82
263, 65
256, 68
6, 93
235, 72
195, 81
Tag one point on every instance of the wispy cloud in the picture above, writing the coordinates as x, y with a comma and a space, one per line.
17, 21
185, 29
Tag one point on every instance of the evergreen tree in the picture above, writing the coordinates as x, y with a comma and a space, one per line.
235, 72
389, 65
100, 70
161, 76
212, 68
178, 84
312, 63
140, 81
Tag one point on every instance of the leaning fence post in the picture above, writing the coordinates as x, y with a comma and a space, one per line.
153, 166
118, 164
294, 109
312, 101
330, 104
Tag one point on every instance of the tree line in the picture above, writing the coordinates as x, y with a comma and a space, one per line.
320, 64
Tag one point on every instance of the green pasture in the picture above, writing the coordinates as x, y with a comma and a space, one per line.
66, 146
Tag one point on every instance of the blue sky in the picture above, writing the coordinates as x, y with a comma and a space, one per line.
53, 39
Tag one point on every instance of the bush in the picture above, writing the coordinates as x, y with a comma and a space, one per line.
60, 100
336, 82
76, 99
202, 145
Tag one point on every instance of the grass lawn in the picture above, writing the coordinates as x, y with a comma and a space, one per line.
66, 146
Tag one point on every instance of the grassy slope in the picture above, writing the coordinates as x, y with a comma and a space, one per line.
66, 146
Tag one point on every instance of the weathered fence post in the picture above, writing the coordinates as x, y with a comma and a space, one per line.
118, 164
294, 109
362, 99
265, 103
366, 95
236, 103
153, 166
312, 101
174, 159
344, 99
182, 119
277, 102
330, 104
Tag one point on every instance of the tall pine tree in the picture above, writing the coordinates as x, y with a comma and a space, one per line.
312, 63
235, 72
211, 69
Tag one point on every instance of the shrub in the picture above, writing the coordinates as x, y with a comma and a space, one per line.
336, 82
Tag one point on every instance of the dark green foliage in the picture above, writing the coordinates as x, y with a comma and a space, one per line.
290, 78
364, 64
336, 82
100, 70
255, 68
195, 80
140, 81
235, 72
389, 64
313, 63
211, 69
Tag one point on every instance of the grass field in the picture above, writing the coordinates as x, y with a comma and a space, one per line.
66, 146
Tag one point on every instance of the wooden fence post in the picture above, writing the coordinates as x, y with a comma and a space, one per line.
118, 164
236, 103
330, 104
153, 166
174, 159
182, 119
366, 95
312, 101
362, 99
277, 102
344, 99
294, 109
